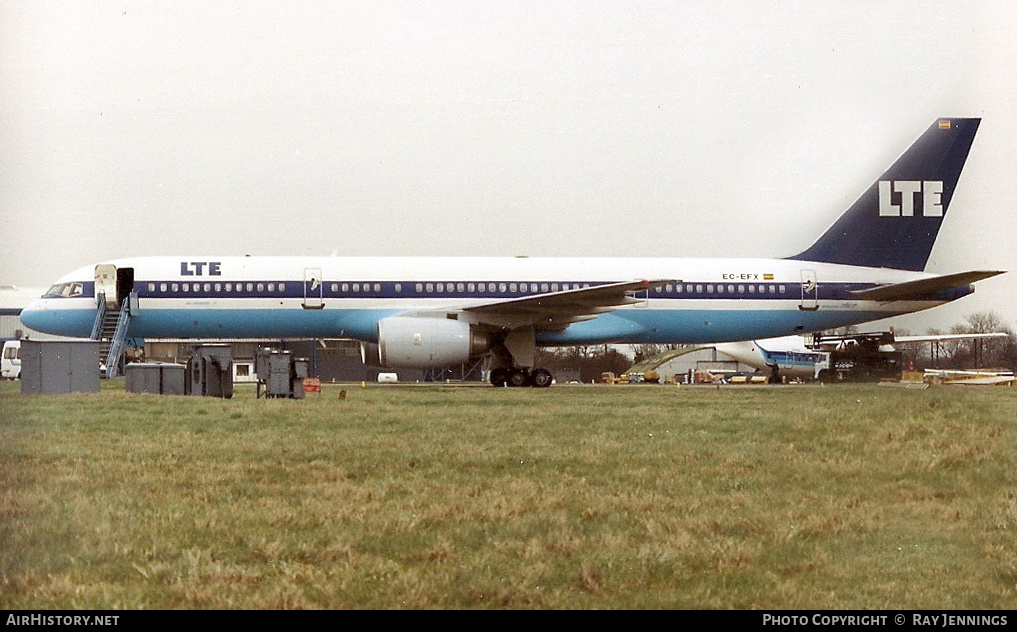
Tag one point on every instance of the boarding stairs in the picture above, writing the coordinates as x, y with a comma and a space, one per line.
110, 329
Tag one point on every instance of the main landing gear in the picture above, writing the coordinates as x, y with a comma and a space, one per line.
513, 355
504, 376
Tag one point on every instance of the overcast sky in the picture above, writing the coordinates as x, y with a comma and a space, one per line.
624, 128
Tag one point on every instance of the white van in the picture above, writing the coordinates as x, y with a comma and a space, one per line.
10, 364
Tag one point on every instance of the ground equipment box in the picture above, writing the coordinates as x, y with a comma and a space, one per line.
210, 372
161, 378
58, 366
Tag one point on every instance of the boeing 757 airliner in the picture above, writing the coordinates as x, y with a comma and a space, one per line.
434, 312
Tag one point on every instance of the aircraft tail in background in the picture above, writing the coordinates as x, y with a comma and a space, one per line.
894, 224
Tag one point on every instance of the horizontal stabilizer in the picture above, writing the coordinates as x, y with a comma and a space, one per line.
912, 290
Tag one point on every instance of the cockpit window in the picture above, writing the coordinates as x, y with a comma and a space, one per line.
65, 290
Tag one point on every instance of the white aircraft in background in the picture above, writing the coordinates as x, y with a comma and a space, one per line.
436, 312
794, 358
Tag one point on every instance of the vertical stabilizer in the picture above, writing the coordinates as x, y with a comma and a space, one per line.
894, 224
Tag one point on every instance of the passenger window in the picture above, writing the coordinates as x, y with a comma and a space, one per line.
271, 287
151, 287
420, 287
471, 287
398, 287
186, 287
261, 287
377, 287
752, 289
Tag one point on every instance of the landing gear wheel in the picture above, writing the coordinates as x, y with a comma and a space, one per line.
541, 378
499, 376
519, 377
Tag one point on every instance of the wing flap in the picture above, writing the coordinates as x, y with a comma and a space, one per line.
558, 309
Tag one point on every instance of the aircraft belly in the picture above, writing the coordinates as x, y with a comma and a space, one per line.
644, 325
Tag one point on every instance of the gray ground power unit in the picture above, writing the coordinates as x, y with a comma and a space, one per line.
58, 366
280, 374
210, 372
161, 378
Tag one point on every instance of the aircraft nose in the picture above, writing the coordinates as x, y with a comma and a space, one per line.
32, 315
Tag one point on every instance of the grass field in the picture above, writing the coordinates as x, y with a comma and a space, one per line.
570, 497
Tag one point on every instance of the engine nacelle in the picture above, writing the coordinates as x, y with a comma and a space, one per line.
414, 342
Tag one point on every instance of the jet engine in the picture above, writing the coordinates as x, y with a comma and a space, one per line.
414, 342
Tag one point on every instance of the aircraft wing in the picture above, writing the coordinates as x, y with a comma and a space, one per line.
922, 288
556, 310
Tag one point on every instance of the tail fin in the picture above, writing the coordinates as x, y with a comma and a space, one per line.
894, 224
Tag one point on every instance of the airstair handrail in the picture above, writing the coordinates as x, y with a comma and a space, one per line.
100, 314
